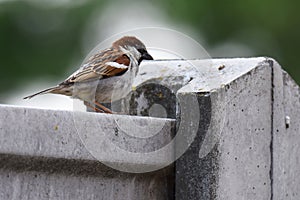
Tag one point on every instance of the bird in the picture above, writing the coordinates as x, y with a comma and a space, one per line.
106, 76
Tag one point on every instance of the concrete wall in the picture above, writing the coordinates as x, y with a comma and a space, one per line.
43, 157
286, 136
238, 118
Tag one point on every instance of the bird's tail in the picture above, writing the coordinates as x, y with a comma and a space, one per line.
49, 90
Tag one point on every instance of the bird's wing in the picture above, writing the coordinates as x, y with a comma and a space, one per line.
105, 64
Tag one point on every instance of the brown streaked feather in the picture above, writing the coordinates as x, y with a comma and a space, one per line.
123, 60
109, 71
95, 67
129, 41
59, 89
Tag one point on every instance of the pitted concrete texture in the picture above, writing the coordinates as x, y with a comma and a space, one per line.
46, 154
230, 157
239, 118
31, 178
247, 145
63, 134
244, 146
160, 82
286, 136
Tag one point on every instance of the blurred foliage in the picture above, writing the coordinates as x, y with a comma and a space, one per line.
270, 28
39, 41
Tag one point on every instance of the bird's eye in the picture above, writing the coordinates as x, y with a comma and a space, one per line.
142, 51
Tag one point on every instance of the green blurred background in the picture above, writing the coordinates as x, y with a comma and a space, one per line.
47, 40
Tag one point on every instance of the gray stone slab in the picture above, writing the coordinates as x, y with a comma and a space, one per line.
160, 82
244, 145
237, 126
78, 135
24, 178
230, 157
198, 75
286, 134
249, 149
46, 154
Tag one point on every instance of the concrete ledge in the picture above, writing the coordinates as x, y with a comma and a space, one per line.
40, 178
239, 118
63, 134
286, 136
43, 157
174, 77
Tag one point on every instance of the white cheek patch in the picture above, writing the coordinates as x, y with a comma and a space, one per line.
132, 53
117, 65
124, 50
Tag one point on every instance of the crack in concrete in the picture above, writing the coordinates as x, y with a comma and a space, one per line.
271, 63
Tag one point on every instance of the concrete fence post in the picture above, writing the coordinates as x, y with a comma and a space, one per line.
234, 131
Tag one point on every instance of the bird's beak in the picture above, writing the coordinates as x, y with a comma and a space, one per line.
147, 56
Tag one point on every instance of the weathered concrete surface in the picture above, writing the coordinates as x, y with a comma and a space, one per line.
286, 136
247, 145
244, 145
232, 113
28, 178
42, 156
230, 157
160, 82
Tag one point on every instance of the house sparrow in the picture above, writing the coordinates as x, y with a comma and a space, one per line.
106, 76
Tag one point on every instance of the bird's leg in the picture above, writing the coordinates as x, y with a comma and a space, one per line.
94, 108
106, 110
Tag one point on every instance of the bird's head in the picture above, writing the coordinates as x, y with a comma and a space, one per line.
133, 46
